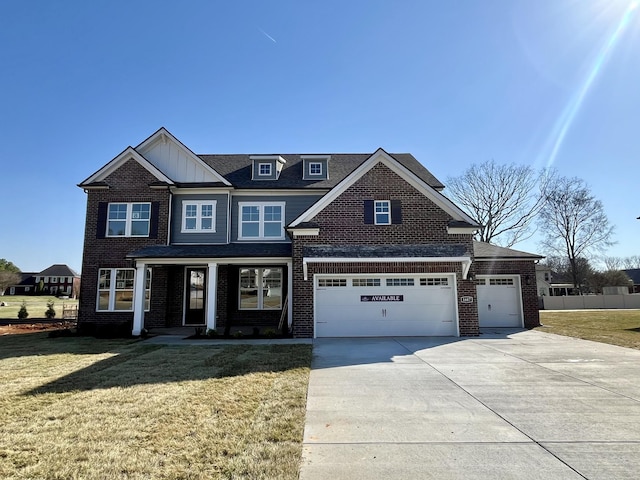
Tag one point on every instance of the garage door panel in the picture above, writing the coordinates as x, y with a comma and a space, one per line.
418, 310
499, 303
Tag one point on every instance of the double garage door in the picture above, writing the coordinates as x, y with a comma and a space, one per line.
385, 305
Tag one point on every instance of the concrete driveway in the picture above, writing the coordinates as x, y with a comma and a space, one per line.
505, 405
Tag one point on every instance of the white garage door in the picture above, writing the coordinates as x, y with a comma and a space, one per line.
385, 305
499, 303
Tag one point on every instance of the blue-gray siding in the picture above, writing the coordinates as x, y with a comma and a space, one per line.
222, 209
295, 205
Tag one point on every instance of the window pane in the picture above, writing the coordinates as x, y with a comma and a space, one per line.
251, 229
103, 301
272, 213
272, 288
140, 211
207, 210
382, 218
124, 279
190, 224
124, 300
250, 214
191, 210
207, 224
104, 280
272, 229
140, 228
116, 228
248, 288
117, 211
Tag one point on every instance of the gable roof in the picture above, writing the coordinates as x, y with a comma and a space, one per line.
129, 153
58, 270
380, 156
486, 251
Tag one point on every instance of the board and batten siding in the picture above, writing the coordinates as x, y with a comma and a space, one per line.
222, 209
294, 206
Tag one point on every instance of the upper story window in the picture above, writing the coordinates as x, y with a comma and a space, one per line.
382, 210
315, 168
264, 169
198, 216
261, 221
54, 279
128, 219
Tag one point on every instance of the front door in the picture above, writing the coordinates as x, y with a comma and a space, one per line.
194, 311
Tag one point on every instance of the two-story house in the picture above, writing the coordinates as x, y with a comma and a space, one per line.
328, 244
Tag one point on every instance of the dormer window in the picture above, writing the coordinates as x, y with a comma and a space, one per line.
315, 168
264, 169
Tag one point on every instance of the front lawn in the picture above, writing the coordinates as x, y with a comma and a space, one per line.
618, 327
94, 409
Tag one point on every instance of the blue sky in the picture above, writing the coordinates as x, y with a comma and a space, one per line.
538, 82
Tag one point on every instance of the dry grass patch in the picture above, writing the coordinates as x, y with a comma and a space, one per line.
617, 327
130, 410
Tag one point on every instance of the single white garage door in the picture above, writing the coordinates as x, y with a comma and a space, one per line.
385, 305
499, 301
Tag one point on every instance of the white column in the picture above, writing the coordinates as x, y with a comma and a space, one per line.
212, 289
138, 298
290, 294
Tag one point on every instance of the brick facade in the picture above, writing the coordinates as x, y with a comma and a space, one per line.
342, 223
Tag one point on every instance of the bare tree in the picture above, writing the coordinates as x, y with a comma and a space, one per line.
504, 199
631, 262
612, 263
574, 222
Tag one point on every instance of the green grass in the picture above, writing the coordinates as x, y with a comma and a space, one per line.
81, 408
617, 327
36, 306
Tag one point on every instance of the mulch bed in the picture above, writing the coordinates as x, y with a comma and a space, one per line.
35, 326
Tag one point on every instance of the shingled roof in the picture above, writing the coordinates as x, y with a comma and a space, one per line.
236, 169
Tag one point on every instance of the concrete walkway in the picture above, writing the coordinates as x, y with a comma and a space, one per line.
506, 405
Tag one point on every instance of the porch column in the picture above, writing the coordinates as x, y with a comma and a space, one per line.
212, 290
138, 298
289, 294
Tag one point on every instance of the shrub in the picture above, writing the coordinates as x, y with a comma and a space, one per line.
212, 333
238, 334
23, 313
50, 313
269, 332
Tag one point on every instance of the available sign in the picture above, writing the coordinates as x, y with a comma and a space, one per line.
382, 298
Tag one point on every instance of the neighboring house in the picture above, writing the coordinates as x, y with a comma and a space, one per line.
543, 280
634, 275
328, 244
56, 280
26, 286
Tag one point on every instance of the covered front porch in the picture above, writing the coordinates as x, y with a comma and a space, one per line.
214, 287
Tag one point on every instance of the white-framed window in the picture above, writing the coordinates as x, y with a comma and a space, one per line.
332, 282
128, 219
54, 279
424, 282
264, 169
315, 168
400, 282
260, 289
261, 221
198, 216
382, 212
115, 289
366, 282
501, 281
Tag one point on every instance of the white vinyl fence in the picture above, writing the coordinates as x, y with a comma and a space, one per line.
585, 302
